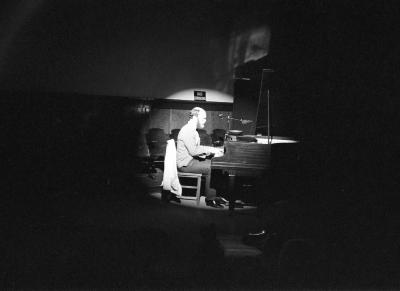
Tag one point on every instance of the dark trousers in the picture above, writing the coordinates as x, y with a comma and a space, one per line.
203, 167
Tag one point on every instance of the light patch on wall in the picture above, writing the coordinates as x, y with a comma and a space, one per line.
212, 95
258, 44
248, 45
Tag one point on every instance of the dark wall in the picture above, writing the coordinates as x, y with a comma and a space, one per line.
131, 48
338, 60
64, 148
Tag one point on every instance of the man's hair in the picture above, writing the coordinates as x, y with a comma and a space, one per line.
195, 112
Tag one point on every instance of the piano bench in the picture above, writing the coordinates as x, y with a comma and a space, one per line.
197, 187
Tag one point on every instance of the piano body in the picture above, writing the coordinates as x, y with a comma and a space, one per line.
245, 158
253, 159
257, 152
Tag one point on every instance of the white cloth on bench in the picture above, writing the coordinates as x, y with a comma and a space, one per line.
170, 177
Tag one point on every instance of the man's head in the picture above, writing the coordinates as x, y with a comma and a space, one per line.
199, 115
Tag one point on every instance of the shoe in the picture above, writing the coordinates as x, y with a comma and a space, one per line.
258, 239
221, 200
213, 203
261, 233
174, 198
237, 204
167, 197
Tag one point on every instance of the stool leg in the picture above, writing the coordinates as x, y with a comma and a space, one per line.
198, 190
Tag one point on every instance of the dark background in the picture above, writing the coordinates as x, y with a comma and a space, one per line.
67, 68
130, 48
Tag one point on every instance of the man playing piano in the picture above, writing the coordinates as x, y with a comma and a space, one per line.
191, 157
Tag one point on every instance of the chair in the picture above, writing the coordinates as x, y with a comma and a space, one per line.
218, 136
143, 158
170, 167
197, 187
156, 141
174, 133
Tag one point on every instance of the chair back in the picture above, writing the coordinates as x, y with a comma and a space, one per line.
218, 136
174, 134
157, 142
156, 135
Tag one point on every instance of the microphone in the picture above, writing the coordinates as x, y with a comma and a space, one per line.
246, 121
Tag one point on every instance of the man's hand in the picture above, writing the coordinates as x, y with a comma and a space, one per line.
218, 152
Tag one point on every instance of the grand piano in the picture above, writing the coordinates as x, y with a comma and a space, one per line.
251, 150
246, 158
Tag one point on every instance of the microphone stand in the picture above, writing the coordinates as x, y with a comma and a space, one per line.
229, 118
269, 121
269, 137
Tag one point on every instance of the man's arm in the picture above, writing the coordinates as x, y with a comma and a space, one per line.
193, 149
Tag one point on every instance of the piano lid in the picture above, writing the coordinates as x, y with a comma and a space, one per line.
266, 99
263, 139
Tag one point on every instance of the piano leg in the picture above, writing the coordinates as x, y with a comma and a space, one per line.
231, 191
